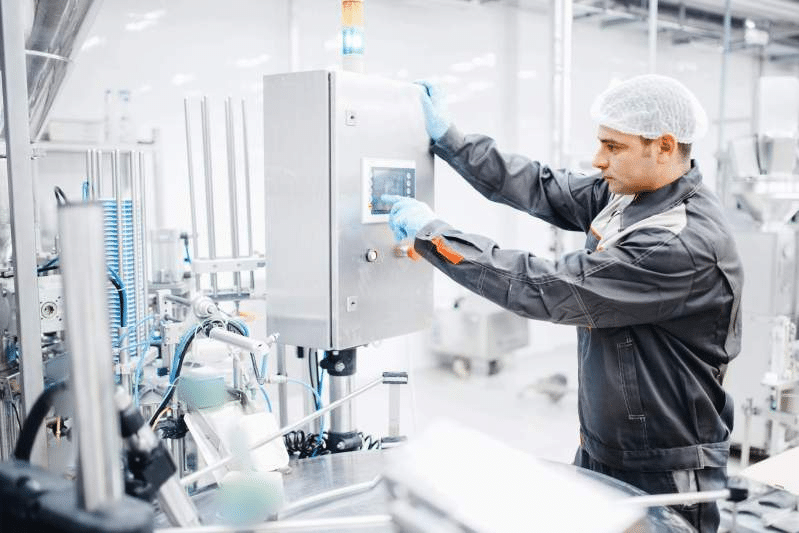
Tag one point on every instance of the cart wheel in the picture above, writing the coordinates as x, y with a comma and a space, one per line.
494, 367
461, 367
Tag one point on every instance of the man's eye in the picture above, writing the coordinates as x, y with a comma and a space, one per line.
612, 147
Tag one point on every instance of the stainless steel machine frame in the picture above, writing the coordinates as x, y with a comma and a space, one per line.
334, 278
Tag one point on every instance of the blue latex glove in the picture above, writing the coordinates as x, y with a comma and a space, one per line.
407, 215
436, 117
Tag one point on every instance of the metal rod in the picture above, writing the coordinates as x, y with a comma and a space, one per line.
282, 388
145, 258
98, 168
240, 341
328, 497
314, 524
342, 421
394, 396
653, 35
188, 480
138, 254
192, 199
310, 405
22, 204
746, 443
116, 177
247, 192
209, 187
91, 376
682, 498
561, 60
90, 178
721, 178
233, 193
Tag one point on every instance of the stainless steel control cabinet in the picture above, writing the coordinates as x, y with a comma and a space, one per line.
334, 142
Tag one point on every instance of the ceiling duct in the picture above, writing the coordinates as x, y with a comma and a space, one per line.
56, 30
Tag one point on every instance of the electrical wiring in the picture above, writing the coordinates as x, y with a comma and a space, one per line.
303, 445
182, 349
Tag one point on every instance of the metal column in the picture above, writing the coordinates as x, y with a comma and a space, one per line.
91, 368
561, 94
21, 201
720, 178
653, 36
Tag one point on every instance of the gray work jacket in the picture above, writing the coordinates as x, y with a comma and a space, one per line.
655, 297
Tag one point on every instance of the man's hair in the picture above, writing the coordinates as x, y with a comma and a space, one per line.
683, 148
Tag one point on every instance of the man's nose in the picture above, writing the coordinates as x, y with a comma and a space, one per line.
599, 161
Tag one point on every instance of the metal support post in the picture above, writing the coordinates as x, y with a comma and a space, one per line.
22, 204
192, 199
720, 177
233, 193
209, 188
247, 192
653, 36
341, 366
124, 339
282, 389
91, 376
561, 94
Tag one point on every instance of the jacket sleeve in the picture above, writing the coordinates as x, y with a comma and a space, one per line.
567, 200
644, 279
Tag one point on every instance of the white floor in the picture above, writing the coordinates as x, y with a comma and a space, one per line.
504, 406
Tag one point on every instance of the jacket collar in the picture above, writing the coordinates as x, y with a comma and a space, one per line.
649, 203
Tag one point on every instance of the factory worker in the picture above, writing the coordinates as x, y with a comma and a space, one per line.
655, 294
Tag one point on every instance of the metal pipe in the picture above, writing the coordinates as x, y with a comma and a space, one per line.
240, 341
328, 496
720, 177
310, 400
145, 258
192, 200
313, 524
562, 19
247, 192
653, 35
92, 377
682, 498
90, 175
233, 193
209, 187
191, 478
282, 388
342, 421
138, 253
98, 168
22, 205
116, 177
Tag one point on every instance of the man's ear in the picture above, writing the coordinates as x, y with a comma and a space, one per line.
666, 148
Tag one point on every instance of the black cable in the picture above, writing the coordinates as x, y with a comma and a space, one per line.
303, 446
38, 413
16, 414
123, 300
60, 197
369, 442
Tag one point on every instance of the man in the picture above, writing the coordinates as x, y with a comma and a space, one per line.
655, 293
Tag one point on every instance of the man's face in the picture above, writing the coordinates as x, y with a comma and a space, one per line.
627, 164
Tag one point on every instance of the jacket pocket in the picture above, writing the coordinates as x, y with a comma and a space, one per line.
628, 377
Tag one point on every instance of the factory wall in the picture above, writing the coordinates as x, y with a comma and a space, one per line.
494, 61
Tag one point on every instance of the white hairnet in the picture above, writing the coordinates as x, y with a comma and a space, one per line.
651, 106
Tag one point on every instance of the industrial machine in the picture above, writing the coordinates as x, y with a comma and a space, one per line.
761, 190
131, 353
336, 278
476, 335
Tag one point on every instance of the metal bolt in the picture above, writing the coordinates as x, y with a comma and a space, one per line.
340, 445
339, 367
